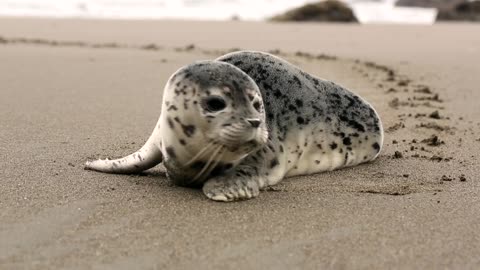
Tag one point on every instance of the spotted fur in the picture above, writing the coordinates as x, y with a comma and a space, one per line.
279, 121
314, 125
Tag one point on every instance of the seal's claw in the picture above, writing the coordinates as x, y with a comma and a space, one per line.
220, 198
231, 189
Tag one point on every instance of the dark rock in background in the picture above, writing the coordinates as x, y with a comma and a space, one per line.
324, 11
449, 10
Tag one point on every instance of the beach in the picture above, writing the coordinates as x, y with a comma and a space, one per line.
74, 90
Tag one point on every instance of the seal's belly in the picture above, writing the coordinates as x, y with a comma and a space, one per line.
316, 149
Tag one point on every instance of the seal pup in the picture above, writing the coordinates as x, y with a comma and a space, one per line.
248, 120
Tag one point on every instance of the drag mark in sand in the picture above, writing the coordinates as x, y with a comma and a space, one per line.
423, 127
107, 45
415, 102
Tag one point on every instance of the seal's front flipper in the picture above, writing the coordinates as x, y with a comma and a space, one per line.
258, 171
242, 183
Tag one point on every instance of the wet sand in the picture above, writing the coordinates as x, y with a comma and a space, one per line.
73, 90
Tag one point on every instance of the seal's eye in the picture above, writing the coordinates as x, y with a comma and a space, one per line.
256, 105
214, 104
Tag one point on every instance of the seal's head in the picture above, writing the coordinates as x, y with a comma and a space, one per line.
213, 112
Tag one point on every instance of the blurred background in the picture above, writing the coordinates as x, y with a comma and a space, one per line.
78, 89
362, 11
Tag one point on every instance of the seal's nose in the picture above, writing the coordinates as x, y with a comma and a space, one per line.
254, 122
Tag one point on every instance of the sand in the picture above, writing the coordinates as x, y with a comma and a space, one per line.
72, 90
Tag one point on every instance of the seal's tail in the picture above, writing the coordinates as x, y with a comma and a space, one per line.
145, 158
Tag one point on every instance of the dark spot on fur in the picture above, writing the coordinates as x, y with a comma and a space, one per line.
354, 124
299, 103
333, 146
376, 146
170, 122
182, 142
189, 130
171, 152
236, 86
300, 120
244, 173
273, 163
336, 96
297, 80
347, 141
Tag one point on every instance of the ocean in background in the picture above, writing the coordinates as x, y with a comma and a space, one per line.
149, 9
368, 11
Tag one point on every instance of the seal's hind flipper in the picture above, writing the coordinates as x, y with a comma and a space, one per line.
147, 157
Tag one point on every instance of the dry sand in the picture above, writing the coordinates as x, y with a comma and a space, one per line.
72, 90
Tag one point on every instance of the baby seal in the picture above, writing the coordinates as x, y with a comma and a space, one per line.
248, 120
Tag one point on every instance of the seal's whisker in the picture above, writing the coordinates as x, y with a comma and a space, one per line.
235, 130
214, 164
210, 160
199, 154
230, 138
216, 161
235, 135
